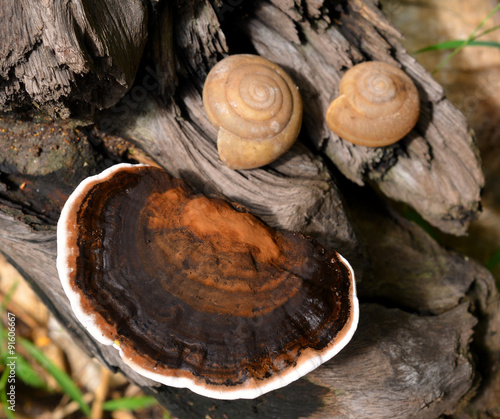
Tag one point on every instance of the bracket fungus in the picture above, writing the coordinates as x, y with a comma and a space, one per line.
256, 107
197, 292
377, 106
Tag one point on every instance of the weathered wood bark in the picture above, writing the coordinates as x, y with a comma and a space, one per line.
70, 57
410, 356
427, 342
435, 169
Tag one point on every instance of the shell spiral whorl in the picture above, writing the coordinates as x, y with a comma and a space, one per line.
256, 107
378, 105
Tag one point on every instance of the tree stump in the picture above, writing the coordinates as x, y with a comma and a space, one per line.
427, 344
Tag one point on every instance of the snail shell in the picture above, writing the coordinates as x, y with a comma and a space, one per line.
257, 108
378, 105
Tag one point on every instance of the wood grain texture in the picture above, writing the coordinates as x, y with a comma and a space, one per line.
410, 307
69, 57
435, 169
396, 355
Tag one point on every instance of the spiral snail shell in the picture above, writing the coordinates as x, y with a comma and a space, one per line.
377, 106
257, 108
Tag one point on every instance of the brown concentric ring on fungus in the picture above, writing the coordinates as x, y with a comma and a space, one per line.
197, 292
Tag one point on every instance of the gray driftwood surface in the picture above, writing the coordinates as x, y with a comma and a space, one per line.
428, 342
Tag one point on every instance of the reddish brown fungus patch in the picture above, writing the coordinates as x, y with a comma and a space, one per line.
197, 293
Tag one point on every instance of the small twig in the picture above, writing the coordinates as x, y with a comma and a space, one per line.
100, 394
487, 31
67, 409
27, 319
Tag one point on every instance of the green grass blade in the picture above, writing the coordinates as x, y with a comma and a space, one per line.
412, 215
487, 31
460, 44
3, 394
452, 54
129, 403
494, 260
441, 46
26, 373
63, 379
457, 43
9, 295
491, 44
483, 22
3, 341
3, 306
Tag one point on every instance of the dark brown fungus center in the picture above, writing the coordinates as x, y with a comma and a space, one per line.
196, 293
